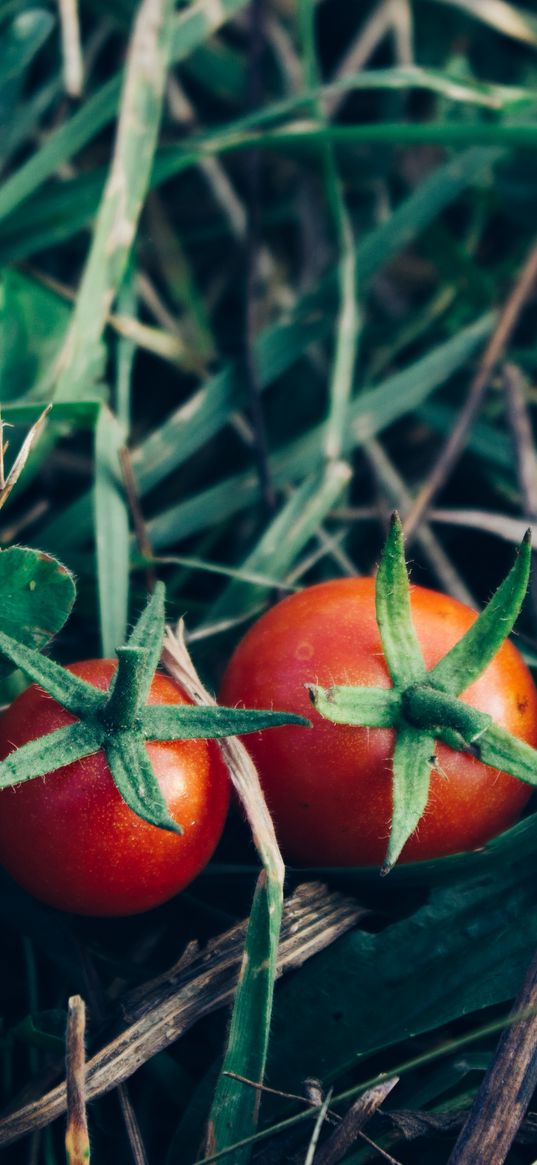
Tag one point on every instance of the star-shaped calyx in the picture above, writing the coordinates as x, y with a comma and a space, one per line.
120, 721
424, 706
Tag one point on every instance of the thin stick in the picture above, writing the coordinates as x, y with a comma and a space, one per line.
76, 1135
398, 495
369, 37
319, 1122
343, 1138
378, 1149
73, 69
7, 484
506, 1090
492, 354
132, 1127
313, 918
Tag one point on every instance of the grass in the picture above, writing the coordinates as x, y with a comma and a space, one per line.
264, 249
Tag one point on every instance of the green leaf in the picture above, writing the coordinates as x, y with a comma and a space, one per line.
235, 1106
363, 707
69, 690
48, 753
413, 758
42, 1029
111, 532
196, 722
133, 774
471, 655
368, 992
33, 322
37, 594
394, 617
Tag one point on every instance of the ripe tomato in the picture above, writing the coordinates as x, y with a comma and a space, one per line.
329, 787
70, 839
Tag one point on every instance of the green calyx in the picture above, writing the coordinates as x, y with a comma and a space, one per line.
120, 721
424, 706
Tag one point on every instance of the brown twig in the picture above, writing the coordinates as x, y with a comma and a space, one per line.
132, 1127
93, 991
398, 495
378, 1148
506, 1090
342, 1139
313, 918
456, 441
526, 460
76, 1133
7, 483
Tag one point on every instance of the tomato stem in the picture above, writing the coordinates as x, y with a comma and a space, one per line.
426, 707
128, 690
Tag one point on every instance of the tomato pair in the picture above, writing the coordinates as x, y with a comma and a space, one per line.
71, 839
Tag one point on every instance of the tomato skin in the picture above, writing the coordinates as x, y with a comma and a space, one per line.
70, 839
329, 787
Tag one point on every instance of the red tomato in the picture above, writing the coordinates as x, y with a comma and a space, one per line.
70, 839
329, 787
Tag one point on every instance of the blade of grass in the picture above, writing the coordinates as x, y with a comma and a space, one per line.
503, 17
235, 1106
191, 426
371, 412
121, 204
253, 999
189, 29
111, 532
348, 320
281, 345
284, 539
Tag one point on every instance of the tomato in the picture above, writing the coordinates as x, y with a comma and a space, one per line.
70, 839
329, 787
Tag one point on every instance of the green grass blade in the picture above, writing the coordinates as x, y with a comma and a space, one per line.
284, 538
235, 1106
111, 533
277, 349
348, 317
189, 29
121, 204
471, 655
370, 413
280, 346
22, 40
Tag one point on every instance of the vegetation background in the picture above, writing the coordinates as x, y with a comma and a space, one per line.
284, 253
